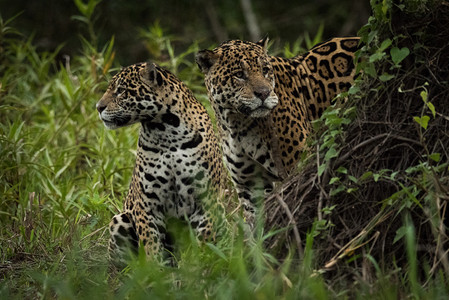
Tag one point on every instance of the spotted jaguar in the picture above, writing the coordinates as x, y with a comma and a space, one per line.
264, 105
179, 170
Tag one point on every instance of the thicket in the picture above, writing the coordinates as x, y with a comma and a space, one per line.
63, 175
374, 195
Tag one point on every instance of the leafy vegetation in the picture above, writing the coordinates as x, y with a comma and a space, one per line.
63, 176
374, 191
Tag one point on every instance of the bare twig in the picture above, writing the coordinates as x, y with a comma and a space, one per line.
293, 223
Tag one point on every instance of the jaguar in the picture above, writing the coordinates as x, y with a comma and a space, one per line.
179, 171
265, 105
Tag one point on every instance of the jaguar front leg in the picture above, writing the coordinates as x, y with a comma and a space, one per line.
152, 234
123, 241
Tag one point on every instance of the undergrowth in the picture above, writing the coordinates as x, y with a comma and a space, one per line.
63, 176
374, 192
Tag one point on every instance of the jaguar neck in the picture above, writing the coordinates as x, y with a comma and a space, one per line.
170, 128
235, 122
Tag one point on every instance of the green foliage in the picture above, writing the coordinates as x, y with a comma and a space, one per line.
424, 119
398, 55
61, 175
86, 9
302, 44
384, 60
333, 120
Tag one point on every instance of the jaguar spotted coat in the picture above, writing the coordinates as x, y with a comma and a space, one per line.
179, 170
264, 105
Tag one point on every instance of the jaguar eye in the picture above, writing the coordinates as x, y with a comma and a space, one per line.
239, 74
120, 91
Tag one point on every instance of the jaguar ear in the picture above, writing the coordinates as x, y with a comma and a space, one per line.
263, 43
205, 60
151, 74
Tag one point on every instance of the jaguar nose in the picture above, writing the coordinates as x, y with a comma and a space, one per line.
100, 107
262, 93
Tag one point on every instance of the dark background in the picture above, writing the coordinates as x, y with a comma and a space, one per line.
204, 21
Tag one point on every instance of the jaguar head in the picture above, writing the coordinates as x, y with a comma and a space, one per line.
134, 95
239, 77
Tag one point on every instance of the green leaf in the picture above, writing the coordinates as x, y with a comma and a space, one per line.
82, 7
423, 121
345, 121
376, 177
217, 251
327, 143
385, 77
393, 175
431, 107
88, 8
352, 178
337, 190
342, 170
398, 55
385, 44
321, 169
400, 233
334, 180
423, 95
376, 56
354, 90
372, 35
435, 157
327, 210
331, 153
350, 190
370, 70
410, 195
385, 8
366, 175
334, 133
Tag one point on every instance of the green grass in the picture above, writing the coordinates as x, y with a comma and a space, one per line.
63, 176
